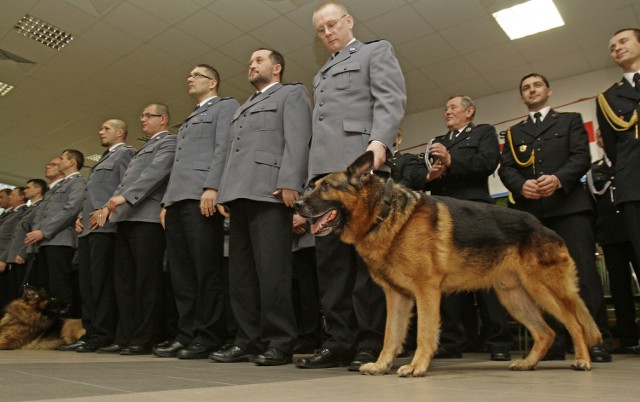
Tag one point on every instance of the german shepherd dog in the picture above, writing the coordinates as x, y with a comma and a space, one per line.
36, 321
417, 246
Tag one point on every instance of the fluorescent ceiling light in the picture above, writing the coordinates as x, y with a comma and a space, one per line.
5, 88
94, 157
43, 32
529, 18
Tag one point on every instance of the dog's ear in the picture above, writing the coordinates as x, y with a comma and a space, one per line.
29, 292
362, 165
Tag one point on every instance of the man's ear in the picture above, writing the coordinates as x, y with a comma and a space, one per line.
362, 165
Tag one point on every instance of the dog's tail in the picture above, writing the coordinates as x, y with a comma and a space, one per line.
592, 334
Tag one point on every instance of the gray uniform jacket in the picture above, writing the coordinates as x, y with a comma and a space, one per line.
269, 146
359, 96
201, 151
104, 178
57, 215
145, 180
17, 246
7, 230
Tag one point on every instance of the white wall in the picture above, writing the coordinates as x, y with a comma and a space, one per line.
574, 94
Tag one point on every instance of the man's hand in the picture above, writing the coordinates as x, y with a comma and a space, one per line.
288, 196
222, 211
208, 202
530, 190
379, 153
436, 171
33, 237
115, 202
547, 185
299, 224
3, 266
440, 151
163, 215
20, 260
79, 227
99, 218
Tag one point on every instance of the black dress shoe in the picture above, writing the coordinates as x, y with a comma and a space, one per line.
325, 358
272, 357
446, 353
195, 351
135, 350
364, 356
231, 354
89, 347
500, 354
71, 346
113, 348
600, 354
170, 350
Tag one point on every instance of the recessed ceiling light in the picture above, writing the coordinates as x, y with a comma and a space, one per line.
43, 32
94, 157
529, 18
5, 88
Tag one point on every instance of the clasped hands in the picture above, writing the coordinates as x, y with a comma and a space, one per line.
543, 187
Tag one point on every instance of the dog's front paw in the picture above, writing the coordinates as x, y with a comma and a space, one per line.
581, 365
374, 368
522, 365
410, 370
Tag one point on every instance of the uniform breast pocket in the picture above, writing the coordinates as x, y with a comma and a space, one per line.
263, 116
345, 76
200, 126
102, 172
267, 168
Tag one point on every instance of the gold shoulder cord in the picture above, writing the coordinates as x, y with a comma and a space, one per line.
617, 123
528, 163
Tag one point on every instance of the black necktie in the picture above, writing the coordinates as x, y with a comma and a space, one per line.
453, 135
537, 118
254, 96
636, 81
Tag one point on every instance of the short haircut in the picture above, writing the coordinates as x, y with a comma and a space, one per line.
119, 125
6, 191
636, 31
162, 109
20, 191
546, 81
467, 102
41, 184
338, 4
213, 72
276, 58
75, 155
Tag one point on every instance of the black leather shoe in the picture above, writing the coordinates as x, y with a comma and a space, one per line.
71, 347
113, 348
231, 354
272, 357
89, 347
500, 354
325, 358
364, 356
444, 353
600, 354
195, 351
135, 350
170, 350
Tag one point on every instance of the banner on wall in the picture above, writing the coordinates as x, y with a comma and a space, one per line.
586, 107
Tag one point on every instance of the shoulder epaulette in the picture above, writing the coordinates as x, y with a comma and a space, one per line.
373, 41
293, 83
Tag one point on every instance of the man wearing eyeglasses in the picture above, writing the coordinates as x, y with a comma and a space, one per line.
195, 234
264, 175
359, 102
140, 242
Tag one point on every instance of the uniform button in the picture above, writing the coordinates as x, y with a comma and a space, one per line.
322, 90
321, 118
321, 104
539, 149
245, 115
324, 77
240, 127
539, 160
179, 148
364, 130
238, 137
538, 139
237, 149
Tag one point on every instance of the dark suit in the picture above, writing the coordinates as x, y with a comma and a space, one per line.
475, 153
618, 251
11, 277
622, 145
96, 247
269, 150
195, 242
56, 218
140, 242
561, 147
359, 96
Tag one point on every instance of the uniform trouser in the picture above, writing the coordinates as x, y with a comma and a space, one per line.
195, 246
55, 264
260, 277
99, 310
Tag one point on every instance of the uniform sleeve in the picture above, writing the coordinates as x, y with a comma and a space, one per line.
221, 136
297, 137
483, 162
66, 216
608, 135
512, 179
579, 160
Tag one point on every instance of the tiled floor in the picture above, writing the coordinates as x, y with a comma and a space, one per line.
52, 375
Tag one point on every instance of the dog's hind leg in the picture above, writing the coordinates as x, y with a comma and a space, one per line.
398, 314
523, 308
428, 308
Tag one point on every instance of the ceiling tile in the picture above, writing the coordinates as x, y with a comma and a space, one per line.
63, 15
553, 43
475, 87
507, 79
495, 58
416, 82
180, 44
91, 53
229, 11
554, 68
427, 50
399, 24
485, 33
445, 14
449, 71
240, 49
209, 28
283, 35
121, 43
135, 21
365, 10
169, 11
225, 65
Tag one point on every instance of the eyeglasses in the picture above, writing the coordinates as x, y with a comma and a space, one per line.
195, 76
147, 116
322, 29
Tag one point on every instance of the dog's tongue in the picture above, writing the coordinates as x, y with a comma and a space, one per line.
321, 222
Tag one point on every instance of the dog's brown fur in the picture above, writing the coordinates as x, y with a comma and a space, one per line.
36, 321
428, 245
